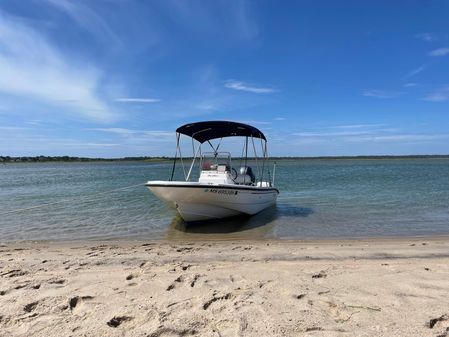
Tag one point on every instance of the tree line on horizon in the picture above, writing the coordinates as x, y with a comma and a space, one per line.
36, 159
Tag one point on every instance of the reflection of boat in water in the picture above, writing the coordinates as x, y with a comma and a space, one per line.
221, 191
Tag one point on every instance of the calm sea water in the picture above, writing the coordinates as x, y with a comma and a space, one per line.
318, 199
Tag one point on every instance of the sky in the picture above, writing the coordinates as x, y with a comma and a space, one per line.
115, 78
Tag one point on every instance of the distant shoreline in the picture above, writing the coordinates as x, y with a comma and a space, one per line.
68, 159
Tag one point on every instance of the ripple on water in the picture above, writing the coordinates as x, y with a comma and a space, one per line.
319, 199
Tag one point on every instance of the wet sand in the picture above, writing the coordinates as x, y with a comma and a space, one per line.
382, 287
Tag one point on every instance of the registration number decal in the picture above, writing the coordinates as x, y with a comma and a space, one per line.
218, 191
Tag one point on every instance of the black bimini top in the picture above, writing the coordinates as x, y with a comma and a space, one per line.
204, 131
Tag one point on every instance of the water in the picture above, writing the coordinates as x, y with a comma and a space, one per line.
318, 199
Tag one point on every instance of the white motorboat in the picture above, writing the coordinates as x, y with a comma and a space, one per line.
221, 190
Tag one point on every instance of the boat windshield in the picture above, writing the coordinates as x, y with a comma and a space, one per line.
211, 161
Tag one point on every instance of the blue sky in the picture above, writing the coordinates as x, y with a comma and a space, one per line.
115, 78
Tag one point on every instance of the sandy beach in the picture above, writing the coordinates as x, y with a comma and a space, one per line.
379, 287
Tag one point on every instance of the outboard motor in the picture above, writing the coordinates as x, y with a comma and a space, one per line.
245, 176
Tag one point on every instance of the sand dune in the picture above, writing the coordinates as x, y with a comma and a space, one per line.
264, 288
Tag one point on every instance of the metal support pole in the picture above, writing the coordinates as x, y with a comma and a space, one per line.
176, 155
193, 162
255, 156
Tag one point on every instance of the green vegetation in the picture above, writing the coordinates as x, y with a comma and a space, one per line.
68, 159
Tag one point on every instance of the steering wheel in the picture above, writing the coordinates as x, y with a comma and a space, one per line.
234, 174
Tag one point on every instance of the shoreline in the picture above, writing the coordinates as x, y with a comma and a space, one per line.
363, 287
158, 160
126, 241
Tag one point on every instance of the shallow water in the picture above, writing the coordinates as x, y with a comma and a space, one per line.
318, 199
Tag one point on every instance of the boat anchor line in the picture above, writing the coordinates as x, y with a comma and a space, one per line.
70, 200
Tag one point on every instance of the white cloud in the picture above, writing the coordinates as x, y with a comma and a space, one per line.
439, 95
439, 52
415, 71
207, 105
129, 132
427, 37
410, 85
238, 85
331, 134
400, 138
32, 68
280, 118
381, 93
253, 122
101, 144
355, 126
133, 137
88, 19
391, 135
234, 18
35, 122
137, 100
11, 128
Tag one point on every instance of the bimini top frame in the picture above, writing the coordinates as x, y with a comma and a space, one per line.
206, 131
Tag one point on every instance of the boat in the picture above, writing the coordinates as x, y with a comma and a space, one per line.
222, 190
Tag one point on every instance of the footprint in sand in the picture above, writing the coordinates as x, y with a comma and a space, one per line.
117, 320
163, 331
184, 249
30, 306
130, 277
180, 279
14, 273
77, 303
195, 278
321, 274
56, 281
216, 298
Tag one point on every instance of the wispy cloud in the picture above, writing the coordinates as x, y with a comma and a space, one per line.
414, 72
233, 18
137, 100
439, 52
410, 85
11, 128
365, 134
427, 37
253, 122
88, 19
439, 95
101, 144
127, 132
207, 105
381, 93
32, 68
401, 138
355, 126
331, 134
347, 130
242, 86
280, 119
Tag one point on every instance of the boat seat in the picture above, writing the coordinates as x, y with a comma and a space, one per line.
243, 179
208, 166
223, 168
245, 176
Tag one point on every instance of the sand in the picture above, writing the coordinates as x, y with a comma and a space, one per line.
388, 287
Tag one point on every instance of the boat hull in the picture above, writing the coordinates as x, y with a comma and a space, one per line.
199, 202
